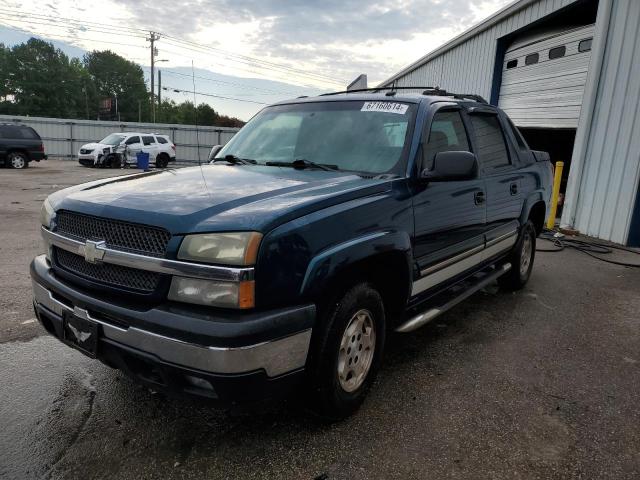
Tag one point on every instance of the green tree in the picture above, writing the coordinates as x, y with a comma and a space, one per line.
42, 81
115, 76
207, 115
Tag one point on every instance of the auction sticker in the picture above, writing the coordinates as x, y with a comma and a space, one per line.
386, 107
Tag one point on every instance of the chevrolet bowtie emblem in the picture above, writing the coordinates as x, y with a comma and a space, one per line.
93, 251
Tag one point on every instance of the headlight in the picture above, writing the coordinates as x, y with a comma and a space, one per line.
239, 248
46, 214
107, 150
213, 293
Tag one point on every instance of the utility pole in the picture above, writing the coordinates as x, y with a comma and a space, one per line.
139, 111
86, 101
153, 37
159, 92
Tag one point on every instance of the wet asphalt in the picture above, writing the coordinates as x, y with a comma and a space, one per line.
543, 383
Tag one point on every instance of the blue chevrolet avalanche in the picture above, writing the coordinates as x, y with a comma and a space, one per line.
281, 265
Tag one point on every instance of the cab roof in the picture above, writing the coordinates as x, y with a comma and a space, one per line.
402, 94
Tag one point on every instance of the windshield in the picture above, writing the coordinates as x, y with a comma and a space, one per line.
360, 136
113, 139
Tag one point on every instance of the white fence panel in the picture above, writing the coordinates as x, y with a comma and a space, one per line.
63, 137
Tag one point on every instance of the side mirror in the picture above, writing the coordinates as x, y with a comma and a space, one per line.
541, 156
214, 151
456, 165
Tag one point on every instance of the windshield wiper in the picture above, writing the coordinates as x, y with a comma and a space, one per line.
301, 163
233, 160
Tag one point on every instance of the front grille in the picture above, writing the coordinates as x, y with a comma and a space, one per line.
115, 275
117, 234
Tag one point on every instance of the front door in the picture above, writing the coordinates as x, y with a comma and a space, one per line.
449, 216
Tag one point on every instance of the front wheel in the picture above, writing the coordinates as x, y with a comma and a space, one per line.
521, 259
347, 352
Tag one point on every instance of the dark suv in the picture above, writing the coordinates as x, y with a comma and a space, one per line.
19, 145
322, 225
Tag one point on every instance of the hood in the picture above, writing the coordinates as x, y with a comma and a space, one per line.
93, 146
216, 197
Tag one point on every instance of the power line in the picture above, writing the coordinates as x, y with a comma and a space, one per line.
83, 23
243, 85
185, 44
189, 45
179, 90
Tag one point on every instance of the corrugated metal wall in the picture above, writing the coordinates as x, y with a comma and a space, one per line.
63, 138
469, 66
611, 166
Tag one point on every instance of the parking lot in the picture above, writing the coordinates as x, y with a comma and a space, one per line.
543, 383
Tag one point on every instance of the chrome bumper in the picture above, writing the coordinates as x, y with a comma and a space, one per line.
275, 357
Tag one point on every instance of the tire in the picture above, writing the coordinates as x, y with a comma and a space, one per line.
17, 160
345, 359
162, 160
521, 259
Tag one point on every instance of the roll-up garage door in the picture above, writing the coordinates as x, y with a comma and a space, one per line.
543, 78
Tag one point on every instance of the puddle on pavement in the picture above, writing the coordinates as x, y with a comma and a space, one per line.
64, 415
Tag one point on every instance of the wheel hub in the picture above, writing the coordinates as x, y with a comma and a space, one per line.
356, 350
17, 161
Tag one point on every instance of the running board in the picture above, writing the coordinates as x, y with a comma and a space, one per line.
428, 315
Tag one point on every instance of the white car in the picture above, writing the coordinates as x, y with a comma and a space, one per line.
120, 149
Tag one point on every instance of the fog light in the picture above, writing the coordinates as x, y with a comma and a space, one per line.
199, 383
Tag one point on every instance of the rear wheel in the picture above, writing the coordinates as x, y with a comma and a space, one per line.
347, 352
521, 259
17, 160
162, 160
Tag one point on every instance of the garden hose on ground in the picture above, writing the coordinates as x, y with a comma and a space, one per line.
591, 248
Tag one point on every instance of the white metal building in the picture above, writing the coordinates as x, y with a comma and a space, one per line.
568, 73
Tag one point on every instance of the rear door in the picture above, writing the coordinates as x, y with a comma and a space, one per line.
498, 166
150, 146
449, 216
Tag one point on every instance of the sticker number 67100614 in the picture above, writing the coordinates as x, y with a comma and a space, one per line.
387, 107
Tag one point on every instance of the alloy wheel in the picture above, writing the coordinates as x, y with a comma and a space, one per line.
356, 352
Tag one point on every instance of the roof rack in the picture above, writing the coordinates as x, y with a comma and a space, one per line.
436, 91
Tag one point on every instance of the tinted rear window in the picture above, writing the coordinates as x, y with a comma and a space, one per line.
161, 140
148, 140
17, 131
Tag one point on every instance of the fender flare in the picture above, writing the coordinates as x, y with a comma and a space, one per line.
533, 198
332, 260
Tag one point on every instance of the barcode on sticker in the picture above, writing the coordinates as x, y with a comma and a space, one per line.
387, 107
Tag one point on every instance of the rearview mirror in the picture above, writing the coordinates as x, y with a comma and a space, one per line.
456, 165
214, 151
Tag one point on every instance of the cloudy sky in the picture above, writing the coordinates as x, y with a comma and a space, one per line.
311, 43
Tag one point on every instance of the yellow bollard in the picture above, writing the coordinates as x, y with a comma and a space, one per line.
551, 221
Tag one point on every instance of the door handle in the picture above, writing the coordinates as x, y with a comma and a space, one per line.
478, 198
513, 188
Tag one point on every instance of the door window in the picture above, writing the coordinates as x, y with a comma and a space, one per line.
161, 140
447, 134
148, 140
491, 148
132, 140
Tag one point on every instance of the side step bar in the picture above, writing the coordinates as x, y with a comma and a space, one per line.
428, 315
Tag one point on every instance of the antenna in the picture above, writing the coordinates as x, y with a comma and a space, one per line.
195, 109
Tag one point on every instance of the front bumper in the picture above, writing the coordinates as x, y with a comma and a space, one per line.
87, 159
242, 357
